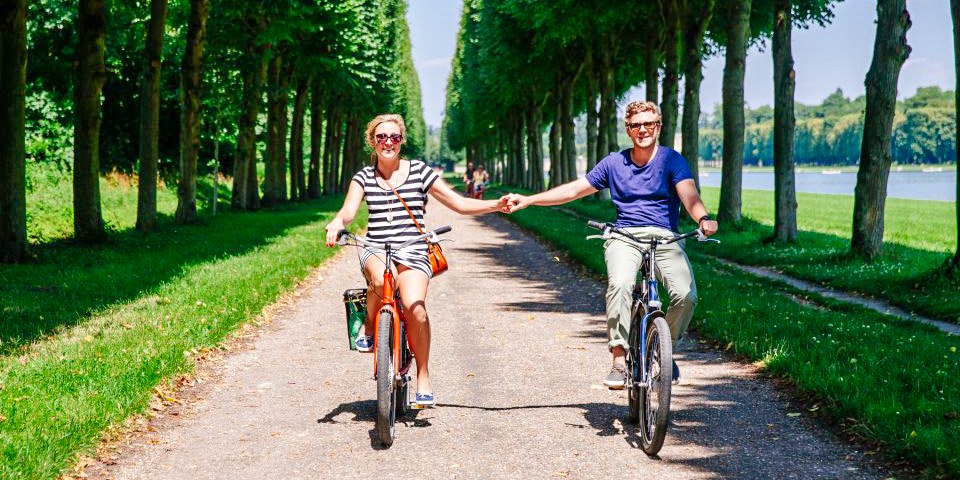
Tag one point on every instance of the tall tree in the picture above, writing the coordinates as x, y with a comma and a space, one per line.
890, 51
190, 76
669, 106
738, 29
298, 188
150, 117
696, 16
89, 75
955, 13
784, 123
13, 75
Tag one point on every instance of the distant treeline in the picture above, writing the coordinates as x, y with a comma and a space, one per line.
830, 133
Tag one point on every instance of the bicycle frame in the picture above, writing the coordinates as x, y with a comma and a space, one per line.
649, 301
388, 303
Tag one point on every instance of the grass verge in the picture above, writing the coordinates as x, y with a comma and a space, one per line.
892, 382
918, 237
89, 332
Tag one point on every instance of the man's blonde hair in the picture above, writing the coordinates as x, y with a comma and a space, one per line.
372, 128
640, 106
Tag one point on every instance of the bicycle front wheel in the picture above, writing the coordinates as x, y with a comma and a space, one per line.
655, 400
386, 383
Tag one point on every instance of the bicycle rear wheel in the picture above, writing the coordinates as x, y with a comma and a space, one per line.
655, 400
386, 383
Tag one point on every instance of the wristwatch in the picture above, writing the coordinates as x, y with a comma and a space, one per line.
705, 217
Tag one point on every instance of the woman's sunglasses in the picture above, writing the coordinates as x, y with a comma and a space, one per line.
394, 137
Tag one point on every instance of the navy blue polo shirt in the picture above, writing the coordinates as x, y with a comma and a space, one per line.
644, 196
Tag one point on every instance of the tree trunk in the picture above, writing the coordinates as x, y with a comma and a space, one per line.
298, 190
349, 166
669, 107
90, 74
955, 13
568, 146
784, 123
592, 120
517, 136
13, 75
150, 117
651, 65
271, 192
890, 50
535, 147
316, 130
281, 181
191, 74
245, 188
696, 17
555, 148
733, 122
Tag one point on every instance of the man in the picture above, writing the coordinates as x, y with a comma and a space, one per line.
647, 183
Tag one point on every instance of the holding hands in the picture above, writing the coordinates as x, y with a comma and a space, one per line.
512, 202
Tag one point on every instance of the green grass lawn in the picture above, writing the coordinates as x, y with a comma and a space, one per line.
918, 237
898, 381
88, 332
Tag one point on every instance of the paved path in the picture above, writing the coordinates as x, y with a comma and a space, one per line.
519, 352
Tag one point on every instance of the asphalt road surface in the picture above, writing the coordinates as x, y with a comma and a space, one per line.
519, 353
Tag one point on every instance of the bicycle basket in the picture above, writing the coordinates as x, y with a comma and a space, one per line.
355, 304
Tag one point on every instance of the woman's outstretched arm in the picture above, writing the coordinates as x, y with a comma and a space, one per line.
460, 204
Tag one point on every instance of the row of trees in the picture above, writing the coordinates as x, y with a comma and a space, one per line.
521, 65
196, 79
830, 133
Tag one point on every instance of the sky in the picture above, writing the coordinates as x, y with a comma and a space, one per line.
825, 58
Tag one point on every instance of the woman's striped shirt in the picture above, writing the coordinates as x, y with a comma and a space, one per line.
388, 221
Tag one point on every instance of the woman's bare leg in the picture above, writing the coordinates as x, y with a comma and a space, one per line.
373, 271
413, 293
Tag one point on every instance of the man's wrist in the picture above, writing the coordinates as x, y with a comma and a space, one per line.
705, 217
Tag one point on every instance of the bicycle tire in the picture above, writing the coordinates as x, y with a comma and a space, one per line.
633, 372
654, 419
386, 383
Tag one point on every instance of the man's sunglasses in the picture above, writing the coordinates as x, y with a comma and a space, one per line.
394, 137
645, 125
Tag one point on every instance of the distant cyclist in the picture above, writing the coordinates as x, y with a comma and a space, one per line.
647, 183
468, 180
480, 179
379, 184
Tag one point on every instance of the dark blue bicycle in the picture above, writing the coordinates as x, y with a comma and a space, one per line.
650, 351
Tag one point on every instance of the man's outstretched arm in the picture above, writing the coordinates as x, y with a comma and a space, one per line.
567, 192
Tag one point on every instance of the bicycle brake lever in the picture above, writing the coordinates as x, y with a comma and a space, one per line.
701, 237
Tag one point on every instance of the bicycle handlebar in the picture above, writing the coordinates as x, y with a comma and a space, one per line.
342, 234
608, 227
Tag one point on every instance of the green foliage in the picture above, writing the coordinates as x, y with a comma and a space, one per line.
830, 133
93, 332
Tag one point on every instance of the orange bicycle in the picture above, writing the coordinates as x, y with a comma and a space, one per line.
393, 358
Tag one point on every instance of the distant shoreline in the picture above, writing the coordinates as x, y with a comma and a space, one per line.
845, 168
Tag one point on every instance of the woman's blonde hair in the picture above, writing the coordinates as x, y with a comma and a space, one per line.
372, 127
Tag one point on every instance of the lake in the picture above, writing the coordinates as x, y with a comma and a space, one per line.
912, 185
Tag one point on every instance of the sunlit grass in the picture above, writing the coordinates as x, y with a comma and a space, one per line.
899, 381
88, 332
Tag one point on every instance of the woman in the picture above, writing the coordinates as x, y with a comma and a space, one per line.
389, 222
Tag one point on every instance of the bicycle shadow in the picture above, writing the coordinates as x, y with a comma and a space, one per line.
365, 411
608, 419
